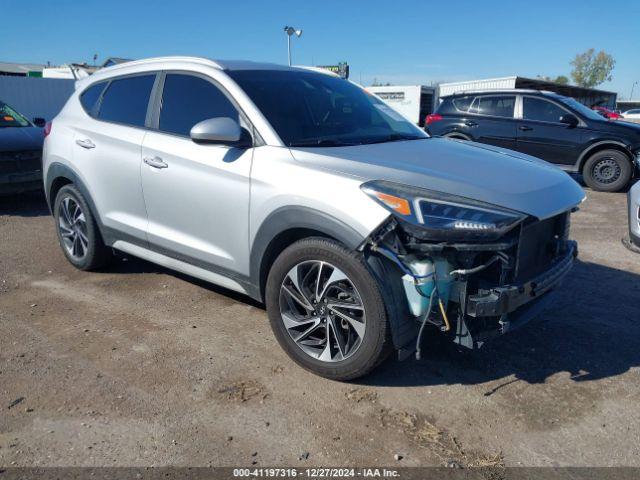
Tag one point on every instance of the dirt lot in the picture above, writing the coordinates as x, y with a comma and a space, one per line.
140, 366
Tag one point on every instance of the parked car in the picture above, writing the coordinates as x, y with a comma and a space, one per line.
301, 190
554, 128
633, 242
607, 112
20, 152
633, 114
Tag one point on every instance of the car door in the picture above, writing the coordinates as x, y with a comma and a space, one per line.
197, 195
491, 120
541, 134
107, 145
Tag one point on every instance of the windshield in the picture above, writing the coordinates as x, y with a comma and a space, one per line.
308, 109
10, 118
580, 108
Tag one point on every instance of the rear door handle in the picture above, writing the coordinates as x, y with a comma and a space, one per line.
155, 162
86, 143
469, 123
525, 128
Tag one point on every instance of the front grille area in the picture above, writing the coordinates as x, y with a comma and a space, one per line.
539, 245
22, 161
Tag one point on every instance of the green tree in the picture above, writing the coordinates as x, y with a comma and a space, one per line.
591, 69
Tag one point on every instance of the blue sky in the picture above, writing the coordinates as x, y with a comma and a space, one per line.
391, 41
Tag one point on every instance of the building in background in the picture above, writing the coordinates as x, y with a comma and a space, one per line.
414, 102
587, 96
10, 69
624, 105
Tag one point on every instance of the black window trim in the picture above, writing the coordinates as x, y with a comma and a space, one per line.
546, 99
156, 105
106, 89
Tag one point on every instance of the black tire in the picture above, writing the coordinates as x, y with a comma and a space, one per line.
376, 342
96, 254
607, 171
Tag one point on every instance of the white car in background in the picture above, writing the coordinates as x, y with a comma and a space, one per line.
633, 114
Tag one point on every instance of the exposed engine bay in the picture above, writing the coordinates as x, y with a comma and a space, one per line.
477, 289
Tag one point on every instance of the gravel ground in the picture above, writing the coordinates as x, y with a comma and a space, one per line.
138, 366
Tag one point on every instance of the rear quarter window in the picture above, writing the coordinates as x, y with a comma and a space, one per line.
89, 98
455, 105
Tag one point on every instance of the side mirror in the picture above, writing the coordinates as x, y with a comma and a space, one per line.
221, 131
569, 119
39, 122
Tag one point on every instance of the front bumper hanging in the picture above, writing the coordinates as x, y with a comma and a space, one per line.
503, 300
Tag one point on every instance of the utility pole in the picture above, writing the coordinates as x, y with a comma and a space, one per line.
632, 87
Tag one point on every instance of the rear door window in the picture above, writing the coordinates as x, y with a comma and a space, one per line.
187, 100
126, 100
499, 106
541, 110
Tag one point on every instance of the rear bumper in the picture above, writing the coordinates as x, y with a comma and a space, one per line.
20, 182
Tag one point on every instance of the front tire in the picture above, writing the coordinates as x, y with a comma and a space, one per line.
78, 232
326, 309
607, 171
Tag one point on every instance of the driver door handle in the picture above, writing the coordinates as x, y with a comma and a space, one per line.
470, 123
525, 128
155, 162
85, 143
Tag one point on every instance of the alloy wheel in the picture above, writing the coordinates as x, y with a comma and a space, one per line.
72, 225
322, 311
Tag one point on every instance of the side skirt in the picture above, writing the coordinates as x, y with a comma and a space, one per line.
179, 266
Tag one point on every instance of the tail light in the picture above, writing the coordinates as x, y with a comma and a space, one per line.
434, 117
47, 129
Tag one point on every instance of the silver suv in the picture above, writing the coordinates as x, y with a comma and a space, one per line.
358, 231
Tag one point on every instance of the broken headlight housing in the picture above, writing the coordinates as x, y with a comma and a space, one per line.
441, 216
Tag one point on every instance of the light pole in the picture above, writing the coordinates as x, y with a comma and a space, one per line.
632, 87
291, 31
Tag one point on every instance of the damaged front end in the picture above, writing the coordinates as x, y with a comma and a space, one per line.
469, 269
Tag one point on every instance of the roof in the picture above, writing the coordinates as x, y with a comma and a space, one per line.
20, 68
114, 61
499, 91
531, 83
228, 65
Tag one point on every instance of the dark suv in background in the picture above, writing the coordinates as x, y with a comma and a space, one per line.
546, 125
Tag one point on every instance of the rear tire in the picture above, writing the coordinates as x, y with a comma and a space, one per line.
337, 300
607, 171
78, 231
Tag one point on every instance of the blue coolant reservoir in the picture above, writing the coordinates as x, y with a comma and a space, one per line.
430, 269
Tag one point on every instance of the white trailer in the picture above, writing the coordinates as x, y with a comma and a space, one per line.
414, 102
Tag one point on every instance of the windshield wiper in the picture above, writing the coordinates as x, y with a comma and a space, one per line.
323, 142
395, 137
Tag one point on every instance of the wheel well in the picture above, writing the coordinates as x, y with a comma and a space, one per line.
56, 185
277, 246
604, 146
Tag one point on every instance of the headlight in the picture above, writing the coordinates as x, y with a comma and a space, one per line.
441, 216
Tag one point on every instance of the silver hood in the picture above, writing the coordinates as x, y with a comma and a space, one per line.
497, 176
